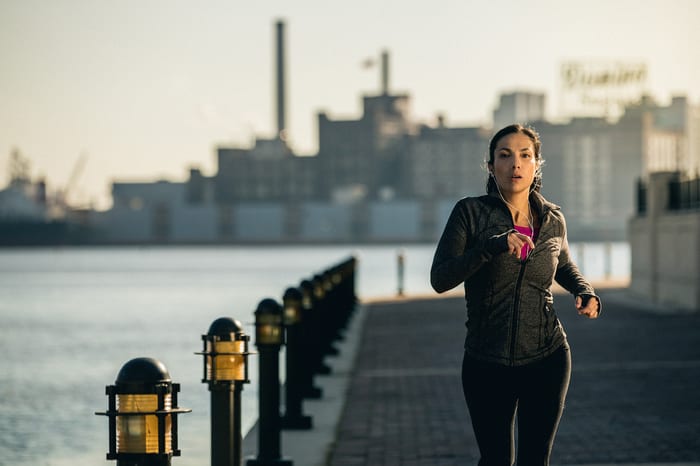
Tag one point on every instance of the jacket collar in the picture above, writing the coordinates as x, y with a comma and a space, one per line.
542, 205
537, 200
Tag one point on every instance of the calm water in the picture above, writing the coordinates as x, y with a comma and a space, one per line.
71, 317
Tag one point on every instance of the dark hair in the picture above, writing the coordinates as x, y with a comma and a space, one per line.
534, 137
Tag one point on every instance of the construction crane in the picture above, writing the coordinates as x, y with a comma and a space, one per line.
73, 179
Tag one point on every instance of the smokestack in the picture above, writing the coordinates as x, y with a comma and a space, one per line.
281, 124
385, 72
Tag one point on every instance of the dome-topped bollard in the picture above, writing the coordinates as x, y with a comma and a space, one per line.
294, 417
225, 371
309, 335
142, 415
269, 337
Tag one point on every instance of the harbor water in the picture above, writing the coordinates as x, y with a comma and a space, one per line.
71, 317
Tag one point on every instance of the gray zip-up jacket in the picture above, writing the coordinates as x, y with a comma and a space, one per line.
510, 314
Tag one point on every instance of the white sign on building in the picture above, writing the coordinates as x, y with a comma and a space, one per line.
600, 88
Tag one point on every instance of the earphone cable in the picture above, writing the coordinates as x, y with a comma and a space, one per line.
529, 217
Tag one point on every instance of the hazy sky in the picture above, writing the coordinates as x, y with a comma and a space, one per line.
148, 88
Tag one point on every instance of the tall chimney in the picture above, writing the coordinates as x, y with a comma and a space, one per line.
281, 124
385, 72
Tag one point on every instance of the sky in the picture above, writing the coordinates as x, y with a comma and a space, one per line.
143, 90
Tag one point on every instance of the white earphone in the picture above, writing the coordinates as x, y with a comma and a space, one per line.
529, 217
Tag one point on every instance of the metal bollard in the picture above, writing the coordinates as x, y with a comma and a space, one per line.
400, 262
143, 415
608, 264
269, 337
308, 333
294, 382
331, 328
226, 370
346, 291
320, 315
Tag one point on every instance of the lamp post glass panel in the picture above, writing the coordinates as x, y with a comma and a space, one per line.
227, 360
137, 432
337, 277
268, 323
225, 352
319, 288
306, 294
292, 306
327, 279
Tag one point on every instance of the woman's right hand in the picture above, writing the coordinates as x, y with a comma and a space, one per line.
516, 241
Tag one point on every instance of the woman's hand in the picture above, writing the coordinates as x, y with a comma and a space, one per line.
589, 307
516, 241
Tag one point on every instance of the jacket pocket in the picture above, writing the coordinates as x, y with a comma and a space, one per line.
549, 321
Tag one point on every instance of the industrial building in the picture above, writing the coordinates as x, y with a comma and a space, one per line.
385, 178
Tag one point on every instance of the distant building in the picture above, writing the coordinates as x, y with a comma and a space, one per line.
141, 195
663, 236
590, 169
366, 155
693, 139
672, 135
382, 177
141, 212
447, 163
519, 107
267, 171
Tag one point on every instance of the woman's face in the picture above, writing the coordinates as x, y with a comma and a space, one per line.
514, 163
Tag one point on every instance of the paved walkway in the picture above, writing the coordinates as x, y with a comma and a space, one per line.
395, 397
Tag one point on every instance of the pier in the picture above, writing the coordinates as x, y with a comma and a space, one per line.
394, 396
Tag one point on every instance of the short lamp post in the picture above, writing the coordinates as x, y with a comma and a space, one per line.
294, 383
400, 266
322, 288
226, 370
310, 336
143, 415
269, 337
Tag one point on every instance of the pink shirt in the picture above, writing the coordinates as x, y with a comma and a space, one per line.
527, 231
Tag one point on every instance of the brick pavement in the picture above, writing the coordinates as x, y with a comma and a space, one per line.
633, 398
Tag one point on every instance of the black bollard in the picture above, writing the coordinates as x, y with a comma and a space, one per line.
400, 263
608, 261
294, 382
332, 310
322, 338
226, 370
345, 298
349, 299
308, 345
143, 415
269, 337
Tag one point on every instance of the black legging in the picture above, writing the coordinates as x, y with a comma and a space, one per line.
536, 391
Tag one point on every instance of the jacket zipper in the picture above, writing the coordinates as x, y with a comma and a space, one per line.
516, 309
516, 301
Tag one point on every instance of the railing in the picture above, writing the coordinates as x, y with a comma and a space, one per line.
684, 195
641, 197
142, 406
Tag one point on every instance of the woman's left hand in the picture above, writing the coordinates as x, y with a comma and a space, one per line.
591, 309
